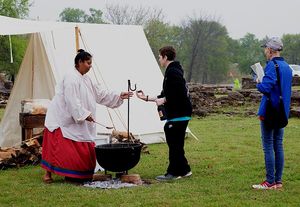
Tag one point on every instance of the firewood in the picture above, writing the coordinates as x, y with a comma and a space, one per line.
102, 177
29, 153
132, 178
7, 154
121, 134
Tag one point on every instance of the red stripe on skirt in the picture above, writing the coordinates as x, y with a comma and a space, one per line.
66, 157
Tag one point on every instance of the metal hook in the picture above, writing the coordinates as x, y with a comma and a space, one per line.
129, 86
129, 89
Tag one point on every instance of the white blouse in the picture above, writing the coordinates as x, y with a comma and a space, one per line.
74, 101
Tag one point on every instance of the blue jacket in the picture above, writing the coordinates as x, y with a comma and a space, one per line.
270, 88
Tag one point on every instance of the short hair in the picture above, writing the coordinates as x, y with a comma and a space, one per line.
168, 51
82, 55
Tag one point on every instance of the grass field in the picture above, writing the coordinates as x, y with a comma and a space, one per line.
1, 113
225, 161
296, 87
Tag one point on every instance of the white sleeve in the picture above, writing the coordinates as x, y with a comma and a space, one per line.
73, 101
107, 98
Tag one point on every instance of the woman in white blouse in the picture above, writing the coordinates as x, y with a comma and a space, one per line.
68, 147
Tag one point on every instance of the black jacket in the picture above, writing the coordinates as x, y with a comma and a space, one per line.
175, 91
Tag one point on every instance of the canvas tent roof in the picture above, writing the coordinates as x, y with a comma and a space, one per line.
13, 26
120, 53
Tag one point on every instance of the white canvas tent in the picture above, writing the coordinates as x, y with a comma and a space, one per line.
120, 53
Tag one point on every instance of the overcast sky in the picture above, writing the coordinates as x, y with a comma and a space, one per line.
260, 17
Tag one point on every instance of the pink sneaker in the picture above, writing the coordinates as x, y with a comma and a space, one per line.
278, 184
264, 186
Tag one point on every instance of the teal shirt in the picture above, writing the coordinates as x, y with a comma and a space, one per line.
184, 118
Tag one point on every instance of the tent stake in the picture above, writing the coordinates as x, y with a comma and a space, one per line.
193, 135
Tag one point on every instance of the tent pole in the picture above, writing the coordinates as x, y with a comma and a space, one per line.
10, 50
34, 36
77, 38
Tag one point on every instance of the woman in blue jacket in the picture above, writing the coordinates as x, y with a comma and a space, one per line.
272, 139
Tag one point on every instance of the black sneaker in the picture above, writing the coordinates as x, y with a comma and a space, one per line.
167, 177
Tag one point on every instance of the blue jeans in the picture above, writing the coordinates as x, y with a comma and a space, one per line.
273, 150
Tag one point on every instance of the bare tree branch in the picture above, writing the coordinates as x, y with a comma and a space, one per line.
117, 14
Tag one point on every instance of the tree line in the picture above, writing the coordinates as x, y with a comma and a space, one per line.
205, 49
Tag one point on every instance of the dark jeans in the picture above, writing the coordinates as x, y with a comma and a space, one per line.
175, 134
273, 150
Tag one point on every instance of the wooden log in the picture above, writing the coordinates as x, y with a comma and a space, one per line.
296, 81
132, 178
6, 155
102, 177
248, 83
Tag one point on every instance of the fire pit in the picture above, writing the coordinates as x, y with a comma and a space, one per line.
118, 157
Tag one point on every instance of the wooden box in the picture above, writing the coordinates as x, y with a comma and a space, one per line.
30, 121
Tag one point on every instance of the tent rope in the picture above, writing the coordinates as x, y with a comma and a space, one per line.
97, 68
95, 63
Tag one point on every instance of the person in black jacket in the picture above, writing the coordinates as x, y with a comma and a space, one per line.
178, 108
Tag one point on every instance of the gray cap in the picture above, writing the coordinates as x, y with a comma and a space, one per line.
274, 43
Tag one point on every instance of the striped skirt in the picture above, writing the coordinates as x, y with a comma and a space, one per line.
66, 157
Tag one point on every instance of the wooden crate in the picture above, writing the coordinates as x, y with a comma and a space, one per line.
28, 122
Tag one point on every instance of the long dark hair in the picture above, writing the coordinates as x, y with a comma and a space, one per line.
82, 56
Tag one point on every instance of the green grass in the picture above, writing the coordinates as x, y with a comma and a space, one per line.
221, 95
296, 88
225, 162
244, 110
1, 113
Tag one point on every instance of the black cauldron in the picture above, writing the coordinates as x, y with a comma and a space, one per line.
118, 157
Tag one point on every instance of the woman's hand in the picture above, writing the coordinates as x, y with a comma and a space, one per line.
90, 118
126, 95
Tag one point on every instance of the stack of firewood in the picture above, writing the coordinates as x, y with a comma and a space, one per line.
122, 137
28, 153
